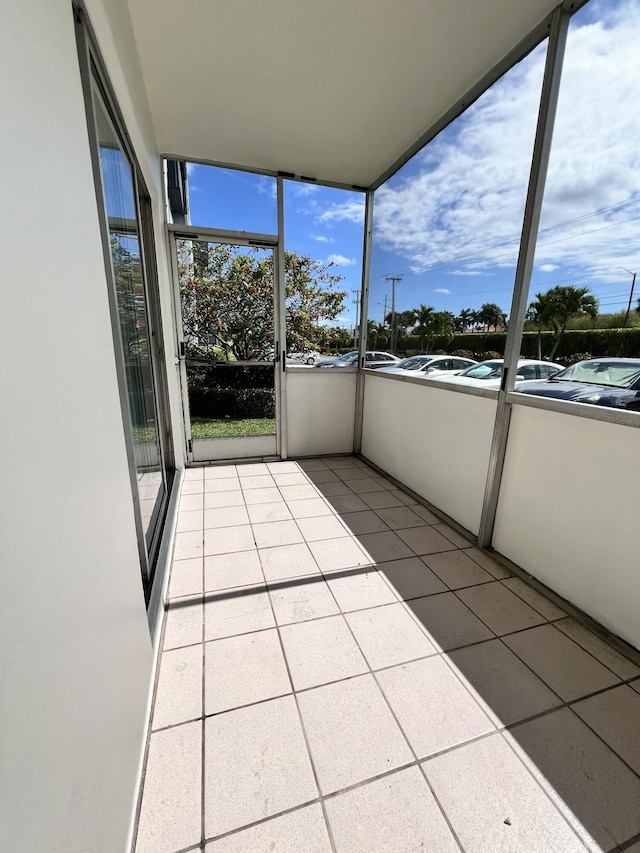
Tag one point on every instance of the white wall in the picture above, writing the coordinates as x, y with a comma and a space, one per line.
569, 510
320, 411
75, 651
434, 440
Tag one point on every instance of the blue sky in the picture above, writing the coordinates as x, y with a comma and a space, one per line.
450, 220
242, 201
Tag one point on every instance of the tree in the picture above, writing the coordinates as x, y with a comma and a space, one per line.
464, 319
337, 338
227, 301
566, 301
423, 317
476, 322
127, 272
375, 332
403, 321
490, 315
431, 324
539, 313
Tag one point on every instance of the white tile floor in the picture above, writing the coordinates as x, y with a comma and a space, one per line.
343, 672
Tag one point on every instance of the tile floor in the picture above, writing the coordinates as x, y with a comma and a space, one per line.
341, 671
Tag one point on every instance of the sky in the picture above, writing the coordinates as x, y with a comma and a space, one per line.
449, 221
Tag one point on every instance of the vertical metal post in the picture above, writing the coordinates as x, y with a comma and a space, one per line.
280, 318
539, 165
364, 314
633, 284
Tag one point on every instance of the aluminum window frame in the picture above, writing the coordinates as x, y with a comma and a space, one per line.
555, 27
93, 72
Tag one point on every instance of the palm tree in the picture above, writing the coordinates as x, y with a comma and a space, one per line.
373, 329
464, 319
424, 316
433, 323
475, 320
403, 320
567, 301
490, 315
539, 314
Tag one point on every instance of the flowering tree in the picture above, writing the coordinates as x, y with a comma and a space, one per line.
227, 300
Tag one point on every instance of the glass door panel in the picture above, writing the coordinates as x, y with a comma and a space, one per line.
119, 192
228, 349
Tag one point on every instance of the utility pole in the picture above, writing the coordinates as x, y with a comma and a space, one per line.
633, 284
394, 279
384, 315
356, 302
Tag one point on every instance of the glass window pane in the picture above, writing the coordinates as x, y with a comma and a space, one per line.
226, 297
447, 225
231, 200
583, 295
323, 269
119, 198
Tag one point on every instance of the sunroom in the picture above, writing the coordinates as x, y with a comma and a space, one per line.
257, 603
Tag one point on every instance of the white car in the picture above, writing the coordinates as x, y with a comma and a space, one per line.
488, 374
304, 357
372, 360
430, 366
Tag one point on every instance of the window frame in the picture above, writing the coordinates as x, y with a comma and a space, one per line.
93, 73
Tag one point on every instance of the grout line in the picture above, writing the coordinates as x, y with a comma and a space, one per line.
591, 654
545, 792
599, 736
259, 822
404, 735
303, 728
305, 580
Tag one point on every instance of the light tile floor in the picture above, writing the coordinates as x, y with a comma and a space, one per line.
341, 671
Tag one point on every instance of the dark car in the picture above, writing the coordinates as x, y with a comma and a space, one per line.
613, 382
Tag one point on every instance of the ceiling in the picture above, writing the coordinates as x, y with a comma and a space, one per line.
336, 90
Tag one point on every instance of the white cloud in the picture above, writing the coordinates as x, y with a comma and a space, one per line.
461, 210
191, 168
341, 261
322, 239
442, 290
267, 186
306, 189
351, 210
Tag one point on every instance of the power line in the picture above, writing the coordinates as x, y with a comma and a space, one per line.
463, 260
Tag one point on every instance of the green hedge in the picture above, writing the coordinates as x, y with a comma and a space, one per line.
231, 391
218, 403
598, 342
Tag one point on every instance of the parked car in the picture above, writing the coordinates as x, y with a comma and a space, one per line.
613, 382
306, 357
350, 359
488, 374
429, 366
329, 362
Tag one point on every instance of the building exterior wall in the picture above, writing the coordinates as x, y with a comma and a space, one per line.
76, 656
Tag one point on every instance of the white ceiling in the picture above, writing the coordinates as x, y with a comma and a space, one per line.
332, 89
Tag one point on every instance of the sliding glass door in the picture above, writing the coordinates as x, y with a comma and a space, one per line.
125, 214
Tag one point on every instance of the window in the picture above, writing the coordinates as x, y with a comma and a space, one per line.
582, 299
447, 224
125, 213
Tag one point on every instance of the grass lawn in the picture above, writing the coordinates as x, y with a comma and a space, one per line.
207, 428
